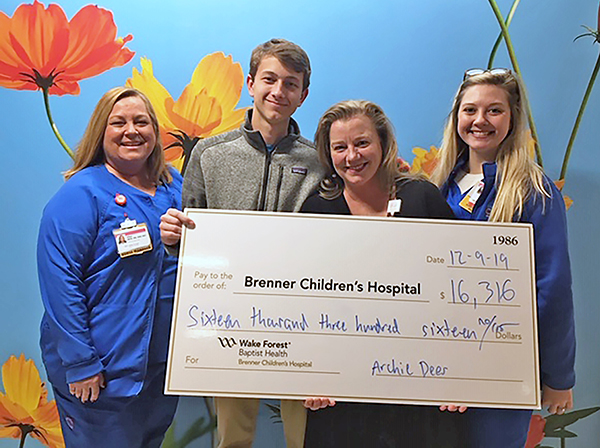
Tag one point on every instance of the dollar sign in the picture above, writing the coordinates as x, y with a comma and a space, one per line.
442, 295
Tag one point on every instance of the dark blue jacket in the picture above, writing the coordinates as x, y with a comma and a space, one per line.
104, 313
552, 270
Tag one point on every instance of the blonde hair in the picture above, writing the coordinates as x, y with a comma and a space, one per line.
332, 186
518, 175
90, 151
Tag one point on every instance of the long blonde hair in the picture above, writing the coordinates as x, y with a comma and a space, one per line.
90, 150
518, 175
332, 186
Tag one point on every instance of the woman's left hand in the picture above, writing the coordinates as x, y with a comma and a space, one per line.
557, 401
88, 389
316, 403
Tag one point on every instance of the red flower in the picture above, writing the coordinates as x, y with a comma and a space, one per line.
41, 49
536, 431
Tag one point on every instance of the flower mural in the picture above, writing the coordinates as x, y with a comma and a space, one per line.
206, 107
424, 161
536, 431
41, 50
24, 409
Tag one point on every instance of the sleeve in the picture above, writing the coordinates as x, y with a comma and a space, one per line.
67, 232
176, 185
311, 204
421, 199
194, 189
554, 294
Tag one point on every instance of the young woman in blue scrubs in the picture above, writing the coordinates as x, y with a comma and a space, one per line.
107, 283
487, 173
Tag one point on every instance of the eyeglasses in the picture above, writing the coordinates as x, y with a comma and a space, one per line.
479, 71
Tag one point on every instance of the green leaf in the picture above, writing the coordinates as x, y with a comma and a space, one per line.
562, 434
197, 430
169, 441
554, 422
275, 412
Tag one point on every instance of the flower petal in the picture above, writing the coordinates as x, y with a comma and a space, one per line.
154, 90
40, 48
11, 412
22, 382
10, 433
39, 36
221, 78
196, 114
93, 45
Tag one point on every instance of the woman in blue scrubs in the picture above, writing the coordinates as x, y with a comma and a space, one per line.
487, 173
107, 284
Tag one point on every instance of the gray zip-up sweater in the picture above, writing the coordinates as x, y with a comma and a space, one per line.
235, 171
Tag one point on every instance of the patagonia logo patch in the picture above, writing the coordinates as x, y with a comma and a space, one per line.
299, 170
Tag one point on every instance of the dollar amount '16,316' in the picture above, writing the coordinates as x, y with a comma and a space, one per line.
486, 292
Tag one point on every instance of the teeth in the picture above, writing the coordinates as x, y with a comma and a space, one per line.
356, 167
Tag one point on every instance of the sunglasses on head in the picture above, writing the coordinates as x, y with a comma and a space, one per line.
479, 71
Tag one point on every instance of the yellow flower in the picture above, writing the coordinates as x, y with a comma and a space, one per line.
205, 108
424, 161
24, 409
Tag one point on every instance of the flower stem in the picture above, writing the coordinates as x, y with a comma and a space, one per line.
53, 125
511, 14
586, 97
212, 416
24, 433
515, 64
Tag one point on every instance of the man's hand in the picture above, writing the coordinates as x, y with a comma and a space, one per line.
171, 224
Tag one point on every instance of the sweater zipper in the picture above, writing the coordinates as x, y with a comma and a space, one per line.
263, 196
278, 190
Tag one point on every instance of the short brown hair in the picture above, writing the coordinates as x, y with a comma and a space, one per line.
288, 53
90, 150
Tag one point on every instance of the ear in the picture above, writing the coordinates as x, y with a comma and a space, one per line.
250, 84
303, 96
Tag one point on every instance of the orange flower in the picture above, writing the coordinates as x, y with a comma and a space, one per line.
536, 431
24, 408
560, 184
41, 49
205, 108
424, 161
403, 165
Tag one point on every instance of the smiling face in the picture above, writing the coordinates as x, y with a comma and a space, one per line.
277, 92
129, 138
356, 150
484, 121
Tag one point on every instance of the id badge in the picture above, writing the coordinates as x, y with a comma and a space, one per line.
468, 202
394, 206
132, 238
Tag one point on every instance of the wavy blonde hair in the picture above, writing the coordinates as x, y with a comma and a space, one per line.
518, 177
333, 186
90, 151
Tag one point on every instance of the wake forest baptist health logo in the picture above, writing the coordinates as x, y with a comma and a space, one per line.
227, 342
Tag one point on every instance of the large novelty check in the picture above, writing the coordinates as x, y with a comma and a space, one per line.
282, 305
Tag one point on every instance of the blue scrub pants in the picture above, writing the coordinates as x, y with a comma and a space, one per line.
495, 428
118, 422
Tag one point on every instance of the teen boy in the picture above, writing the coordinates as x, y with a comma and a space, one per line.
264, 165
